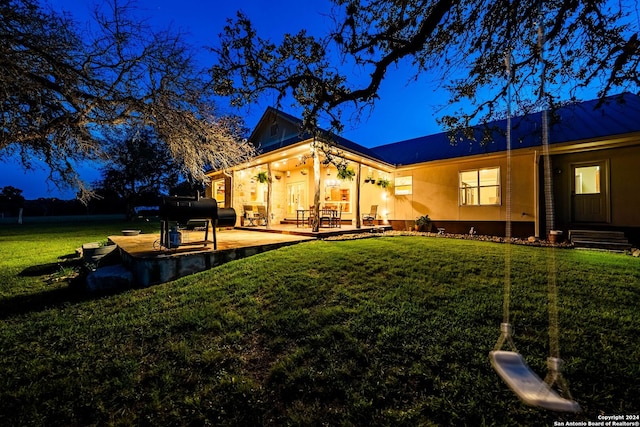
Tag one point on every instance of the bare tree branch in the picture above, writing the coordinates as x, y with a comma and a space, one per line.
60, 88
462, 43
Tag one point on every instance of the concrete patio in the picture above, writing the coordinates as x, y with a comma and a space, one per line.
150, 263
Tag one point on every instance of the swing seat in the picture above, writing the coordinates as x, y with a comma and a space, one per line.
513, 369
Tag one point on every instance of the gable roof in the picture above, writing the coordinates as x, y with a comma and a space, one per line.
271, 114
615, 115
341, 143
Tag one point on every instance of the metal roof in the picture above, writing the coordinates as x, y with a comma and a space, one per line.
589, 120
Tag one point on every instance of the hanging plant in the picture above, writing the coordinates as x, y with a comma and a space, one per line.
370, 179
384, 183
262, 177
346, 174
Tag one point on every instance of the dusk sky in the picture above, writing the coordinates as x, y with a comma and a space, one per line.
406, 108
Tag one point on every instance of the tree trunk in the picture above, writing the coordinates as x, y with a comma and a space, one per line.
316, 190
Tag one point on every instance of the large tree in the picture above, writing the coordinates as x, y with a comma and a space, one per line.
61, 87
11, 200
464, 43
140, 167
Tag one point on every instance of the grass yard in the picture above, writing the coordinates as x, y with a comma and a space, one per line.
381, 331
34, 259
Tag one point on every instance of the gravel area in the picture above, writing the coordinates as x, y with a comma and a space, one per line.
496, 239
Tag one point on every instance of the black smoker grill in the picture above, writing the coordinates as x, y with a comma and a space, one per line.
185, 209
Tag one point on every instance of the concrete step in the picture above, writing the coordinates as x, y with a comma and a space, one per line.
597, 233
597, 239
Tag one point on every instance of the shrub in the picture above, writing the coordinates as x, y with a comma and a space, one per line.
423, 223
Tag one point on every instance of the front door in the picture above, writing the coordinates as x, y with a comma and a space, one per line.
296, 197
590, 198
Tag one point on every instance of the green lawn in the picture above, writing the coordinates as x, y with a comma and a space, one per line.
381, 331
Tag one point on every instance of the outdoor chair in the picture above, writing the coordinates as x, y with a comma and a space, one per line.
312, 215
262, 215
336, 219
249, 215
368, 218
327, 215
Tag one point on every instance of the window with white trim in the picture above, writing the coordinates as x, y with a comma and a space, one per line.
403, 185
480, 187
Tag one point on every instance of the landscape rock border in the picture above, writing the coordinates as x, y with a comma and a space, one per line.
531, 241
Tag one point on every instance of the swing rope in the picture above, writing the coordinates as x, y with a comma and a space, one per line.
510, 365
505, 327
554, 362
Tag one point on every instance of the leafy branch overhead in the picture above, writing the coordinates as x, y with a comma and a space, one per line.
61, 87
463, 43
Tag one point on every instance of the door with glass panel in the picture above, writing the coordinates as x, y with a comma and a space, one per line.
296, 197
589, 192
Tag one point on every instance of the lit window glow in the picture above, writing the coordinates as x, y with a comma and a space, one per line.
480, 187
403, 185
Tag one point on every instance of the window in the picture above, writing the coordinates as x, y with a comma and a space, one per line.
480, 187
335, 196
403, 185
587, 180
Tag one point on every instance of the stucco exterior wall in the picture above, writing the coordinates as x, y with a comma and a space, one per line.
436, 190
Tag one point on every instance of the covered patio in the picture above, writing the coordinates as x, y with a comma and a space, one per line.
282, 188
294, 173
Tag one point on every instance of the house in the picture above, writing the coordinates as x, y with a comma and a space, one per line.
594, 152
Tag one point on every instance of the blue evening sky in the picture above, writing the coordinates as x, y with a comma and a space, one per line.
406, 108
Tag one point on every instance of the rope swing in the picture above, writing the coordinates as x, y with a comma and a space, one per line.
510, 364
